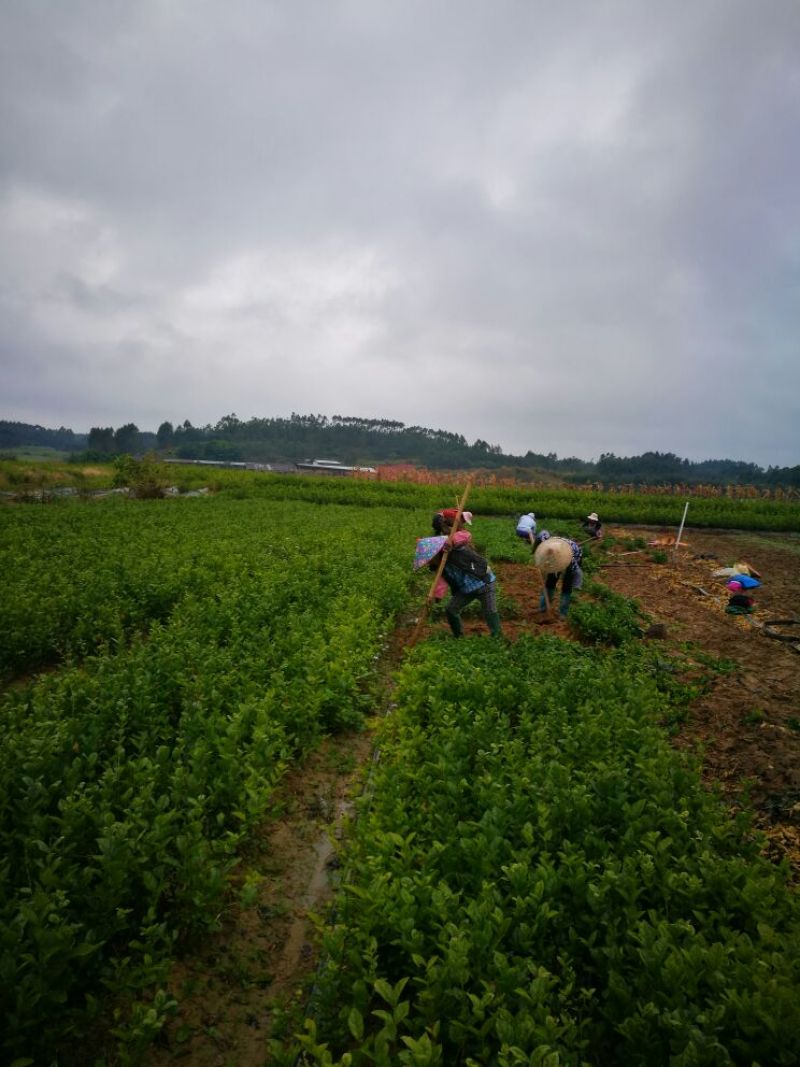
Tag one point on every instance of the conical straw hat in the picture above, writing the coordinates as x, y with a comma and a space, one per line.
553, 555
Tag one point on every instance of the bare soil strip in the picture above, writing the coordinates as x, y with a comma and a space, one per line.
236, 988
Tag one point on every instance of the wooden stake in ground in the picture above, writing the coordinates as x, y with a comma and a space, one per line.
426, 607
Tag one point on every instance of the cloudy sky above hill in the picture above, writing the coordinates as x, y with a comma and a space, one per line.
565, 227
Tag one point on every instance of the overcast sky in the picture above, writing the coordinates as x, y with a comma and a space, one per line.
569, 227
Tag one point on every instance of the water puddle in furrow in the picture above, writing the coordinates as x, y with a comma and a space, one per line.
318, 886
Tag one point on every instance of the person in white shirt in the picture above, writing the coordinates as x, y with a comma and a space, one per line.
526, 527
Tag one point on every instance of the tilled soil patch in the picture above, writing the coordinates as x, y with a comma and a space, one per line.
747, 724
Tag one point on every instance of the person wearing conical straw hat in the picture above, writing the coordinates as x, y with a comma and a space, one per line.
558, 557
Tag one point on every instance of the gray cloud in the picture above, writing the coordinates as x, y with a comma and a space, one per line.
568, 228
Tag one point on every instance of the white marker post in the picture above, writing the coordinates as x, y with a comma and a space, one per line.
680, 532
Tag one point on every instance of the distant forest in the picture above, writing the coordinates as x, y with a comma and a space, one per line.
376, 442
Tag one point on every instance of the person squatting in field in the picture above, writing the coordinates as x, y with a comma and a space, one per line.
526, 528
469, 577
571, 576
592, 525
742, 586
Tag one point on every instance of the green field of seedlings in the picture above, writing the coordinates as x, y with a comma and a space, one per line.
565, 504
194, 649
560, 503
533, 875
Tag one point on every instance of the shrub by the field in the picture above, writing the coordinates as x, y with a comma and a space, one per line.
608, 619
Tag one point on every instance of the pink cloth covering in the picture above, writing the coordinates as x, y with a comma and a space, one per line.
442, 588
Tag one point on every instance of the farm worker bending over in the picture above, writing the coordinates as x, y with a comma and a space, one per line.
592, 525
526, 527
443, 520
558, 557
460, 537
740, 602
469, 577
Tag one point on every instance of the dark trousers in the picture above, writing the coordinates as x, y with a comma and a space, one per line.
566, 582
486, 595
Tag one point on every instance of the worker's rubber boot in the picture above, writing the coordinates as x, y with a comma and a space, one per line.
493, 622
563, 604
455, 624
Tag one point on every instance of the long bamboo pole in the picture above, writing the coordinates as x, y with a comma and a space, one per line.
426, 607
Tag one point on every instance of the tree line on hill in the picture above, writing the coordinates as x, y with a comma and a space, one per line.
23, 434
358, 441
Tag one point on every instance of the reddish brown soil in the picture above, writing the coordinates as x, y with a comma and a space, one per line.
748, 723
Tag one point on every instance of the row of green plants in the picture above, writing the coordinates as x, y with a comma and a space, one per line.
86, 576
561, 503
602, 617
130, 777
549, 504
536, 877
89, 575
80, 577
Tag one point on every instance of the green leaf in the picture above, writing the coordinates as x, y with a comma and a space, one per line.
355, 1023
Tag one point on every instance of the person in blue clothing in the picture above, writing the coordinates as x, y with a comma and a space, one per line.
571, 576
469, 577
